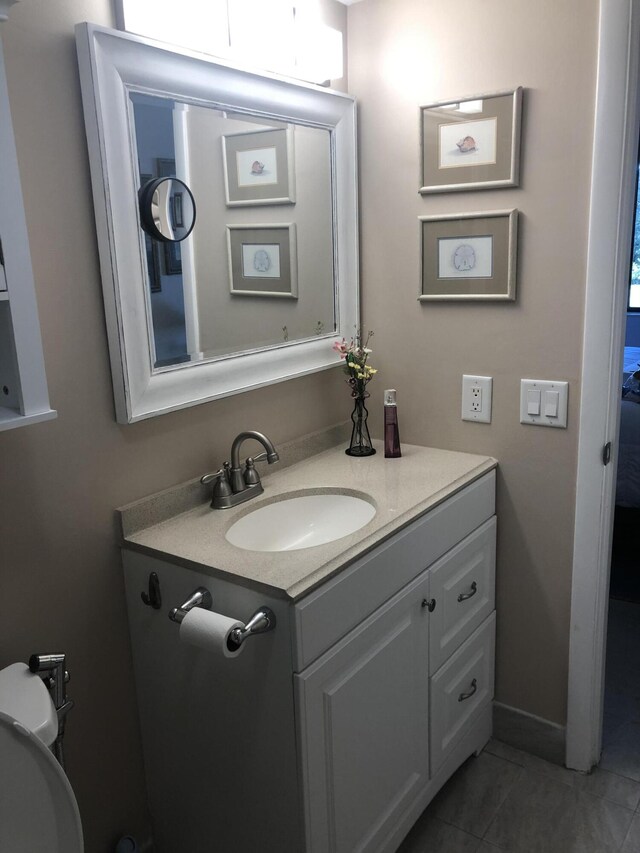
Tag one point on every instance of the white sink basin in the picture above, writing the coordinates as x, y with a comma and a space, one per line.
300, 522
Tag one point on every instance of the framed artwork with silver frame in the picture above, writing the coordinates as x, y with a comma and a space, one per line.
472, 143
469, 256
259, 167
263, 260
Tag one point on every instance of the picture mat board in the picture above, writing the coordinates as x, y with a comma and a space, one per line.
242, 240
505, 108
500, 285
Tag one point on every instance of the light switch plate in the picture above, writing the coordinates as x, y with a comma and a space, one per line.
476, 398
553, 395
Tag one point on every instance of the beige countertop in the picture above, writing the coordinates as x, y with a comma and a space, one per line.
401, 490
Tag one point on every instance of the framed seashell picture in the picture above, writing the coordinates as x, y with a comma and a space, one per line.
469, 256
472, 143
259, 167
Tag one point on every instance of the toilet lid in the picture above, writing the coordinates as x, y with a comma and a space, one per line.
38, 811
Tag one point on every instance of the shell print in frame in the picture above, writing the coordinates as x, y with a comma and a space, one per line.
467, 144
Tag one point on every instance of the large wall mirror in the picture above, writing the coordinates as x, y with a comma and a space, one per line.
227, 224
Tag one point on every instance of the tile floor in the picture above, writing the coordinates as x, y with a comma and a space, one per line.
509, 800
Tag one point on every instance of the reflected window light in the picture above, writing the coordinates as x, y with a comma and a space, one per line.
470, 107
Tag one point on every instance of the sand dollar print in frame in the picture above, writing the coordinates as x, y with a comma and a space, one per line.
263, 260
472, 143
469, 256
259, 167
464, 257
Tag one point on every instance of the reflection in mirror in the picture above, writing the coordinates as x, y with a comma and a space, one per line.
257, 269
167, 209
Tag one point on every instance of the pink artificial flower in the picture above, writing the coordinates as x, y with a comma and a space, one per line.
341, 348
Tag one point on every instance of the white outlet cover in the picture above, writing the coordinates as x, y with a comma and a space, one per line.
470, 387
544, 385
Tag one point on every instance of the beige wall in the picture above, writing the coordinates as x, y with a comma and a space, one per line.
412, 52
61, 583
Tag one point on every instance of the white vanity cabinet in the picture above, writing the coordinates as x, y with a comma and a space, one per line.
332, 733
384, 708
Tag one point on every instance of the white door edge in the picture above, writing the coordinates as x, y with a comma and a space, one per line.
614, 167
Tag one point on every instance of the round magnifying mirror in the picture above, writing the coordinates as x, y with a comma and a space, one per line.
167, 209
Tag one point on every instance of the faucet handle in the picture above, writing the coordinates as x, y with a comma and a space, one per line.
221, 489
266, 457
209, 478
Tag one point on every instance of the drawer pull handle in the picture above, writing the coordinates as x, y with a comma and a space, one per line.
474, 687
429, 603
464, 595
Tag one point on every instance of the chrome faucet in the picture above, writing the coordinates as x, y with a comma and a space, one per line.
233, 485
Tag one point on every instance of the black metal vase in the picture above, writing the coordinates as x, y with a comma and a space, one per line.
360, 444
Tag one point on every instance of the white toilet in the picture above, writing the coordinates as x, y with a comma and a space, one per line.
38, 810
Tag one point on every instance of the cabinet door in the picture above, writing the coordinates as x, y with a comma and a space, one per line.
363, 727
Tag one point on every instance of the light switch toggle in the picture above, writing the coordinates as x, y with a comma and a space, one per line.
543, 402
533, 402
551, 401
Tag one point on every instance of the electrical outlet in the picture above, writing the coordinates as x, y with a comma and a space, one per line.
476, 398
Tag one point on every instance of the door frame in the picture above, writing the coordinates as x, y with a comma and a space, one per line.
613, 182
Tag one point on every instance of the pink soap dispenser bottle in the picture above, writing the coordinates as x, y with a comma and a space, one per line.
391, 434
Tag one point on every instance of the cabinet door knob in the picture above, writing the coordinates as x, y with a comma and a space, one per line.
429, 603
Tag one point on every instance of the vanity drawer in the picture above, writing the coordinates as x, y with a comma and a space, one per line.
463, 588
326, 615
459, 689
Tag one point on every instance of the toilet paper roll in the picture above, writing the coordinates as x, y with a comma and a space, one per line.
210, 631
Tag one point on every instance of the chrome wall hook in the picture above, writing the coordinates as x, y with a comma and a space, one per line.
200, 598
263, 620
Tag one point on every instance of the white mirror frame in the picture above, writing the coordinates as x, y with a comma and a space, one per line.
111, 62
